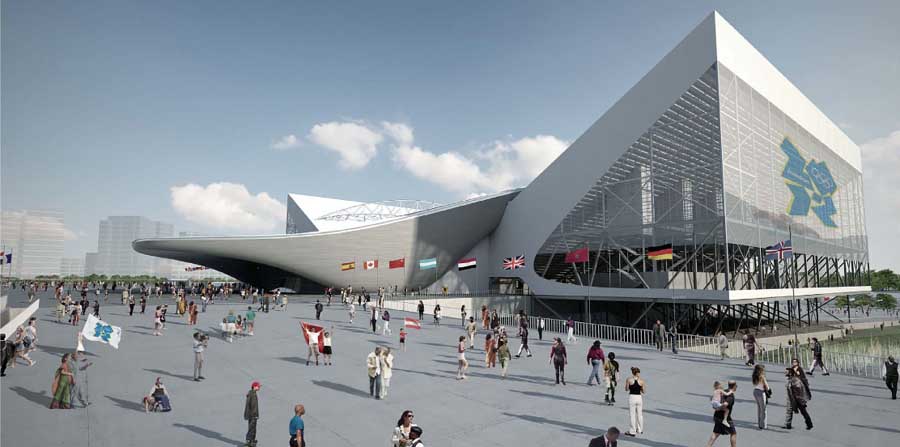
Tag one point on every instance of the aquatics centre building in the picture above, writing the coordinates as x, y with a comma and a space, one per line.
712, 181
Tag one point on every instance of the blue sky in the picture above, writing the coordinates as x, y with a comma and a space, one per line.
106, 106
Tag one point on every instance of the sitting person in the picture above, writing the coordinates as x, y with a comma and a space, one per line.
158, 395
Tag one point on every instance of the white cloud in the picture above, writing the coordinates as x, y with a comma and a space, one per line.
287, 142
69, 235
881, 162
355, 143
399, 132
228, 206
501, 166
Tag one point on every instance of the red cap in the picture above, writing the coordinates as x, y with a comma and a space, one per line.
254, 385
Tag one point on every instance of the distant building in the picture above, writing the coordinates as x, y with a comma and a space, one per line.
90, 263
114, 253
35, 238
71, 267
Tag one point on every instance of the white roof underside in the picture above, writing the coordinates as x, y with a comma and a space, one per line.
316, 208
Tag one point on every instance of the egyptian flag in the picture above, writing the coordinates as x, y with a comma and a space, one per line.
412, 323
315, 328
660, 253
465, 264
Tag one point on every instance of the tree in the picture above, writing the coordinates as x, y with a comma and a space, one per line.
863, 302
885, 301
885, 279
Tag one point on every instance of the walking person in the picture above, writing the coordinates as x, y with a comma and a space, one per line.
415, 437
540, 328
250, 318
437, 314
722, 422
471, 330
673, 337
798, 397
402, 339
558, 359
130, 306
659, 334
387, 366
609, 439
490, 354
750, 347
610, 378
319, 309
193, 313
251, 413
386, 323
143, 304
7, 353
462, 313
504, 356
636, 388
463, 364
596, 359
76, 389
817, 358
352, 311
570, 330
890, 376
484, 317
761, 394
373, 319
296, 427
201, 341
373, 365
723, 346
523, 339
61, 388
400, 437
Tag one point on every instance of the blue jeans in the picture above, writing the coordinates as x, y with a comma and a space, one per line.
595, 373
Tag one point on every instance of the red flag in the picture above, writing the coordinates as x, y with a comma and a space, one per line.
397, 263
579, 256
307, 328
412, 323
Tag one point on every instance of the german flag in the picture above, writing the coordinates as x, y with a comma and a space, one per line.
660, 253
348, 266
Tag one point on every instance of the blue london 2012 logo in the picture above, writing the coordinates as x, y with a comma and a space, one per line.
103, 331
811, 184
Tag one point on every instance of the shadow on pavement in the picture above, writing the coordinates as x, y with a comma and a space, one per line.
297, 360
342, 388
216, 436
168, 374
126, 404
56, 350
872, 427
42, 398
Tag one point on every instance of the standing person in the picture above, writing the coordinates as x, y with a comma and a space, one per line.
761, 393
373, 364
437, 314
722, 423
471, 330
595, 358
7, 353
504, 355
312, 339
61, 389
194, 313
157, 322
750, 347
490, 355
250, 316
31, 337
201, 341
484, 317
251, 413
387, 366
462, 313
559, 359
636, 388
570, 330
659, 334
373, 319
415, 437
97, 309
673, 337
817, 357
204, 301
296, 427
609, 439
463, 364
723, 346
386, 323
523, 338
610, 378
130, 306
327, 349
319, 309
76, 385
400, 437
352, 311
143, 304
541, 328
421, 308
890, 375
797, 398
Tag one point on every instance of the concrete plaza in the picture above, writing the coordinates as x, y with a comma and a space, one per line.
526, 409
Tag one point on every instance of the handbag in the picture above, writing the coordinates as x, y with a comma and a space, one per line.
769, 393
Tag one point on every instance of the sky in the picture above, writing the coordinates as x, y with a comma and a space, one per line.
206, 114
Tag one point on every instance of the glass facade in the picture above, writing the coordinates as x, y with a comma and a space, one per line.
721, 175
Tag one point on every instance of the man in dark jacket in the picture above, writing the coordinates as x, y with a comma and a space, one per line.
607, 440
251, 414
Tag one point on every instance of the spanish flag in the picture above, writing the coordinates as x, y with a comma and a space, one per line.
660, 253
348, 266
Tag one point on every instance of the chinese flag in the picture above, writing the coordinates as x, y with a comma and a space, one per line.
579, 256
397, 263
314, 328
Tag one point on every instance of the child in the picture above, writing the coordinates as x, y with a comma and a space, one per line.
403, 339
718, 403
326, 348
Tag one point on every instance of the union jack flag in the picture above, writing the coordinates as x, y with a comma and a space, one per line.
517, 262
781, 250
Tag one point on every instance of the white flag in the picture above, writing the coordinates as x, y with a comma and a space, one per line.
96, 329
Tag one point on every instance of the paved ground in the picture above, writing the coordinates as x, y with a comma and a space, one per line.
527, 409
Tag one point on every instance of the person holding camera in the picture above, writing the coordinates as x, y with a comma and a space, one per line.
201, 341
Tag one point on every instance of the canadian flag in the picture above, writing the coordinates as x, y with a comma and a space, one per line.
369, 265
412, 323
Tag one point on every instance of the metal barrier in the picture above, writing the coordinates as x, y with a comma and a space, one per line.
842, 363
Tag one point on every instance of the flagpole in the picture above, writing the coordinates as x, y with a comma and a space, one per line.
793, 292
587, 275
